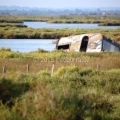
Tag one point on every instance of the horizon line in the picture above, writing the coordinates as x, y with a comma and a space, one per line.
57, 7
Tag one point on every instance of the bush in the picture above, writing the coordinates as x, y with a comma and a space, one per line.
66, 70
5, 49
44, 73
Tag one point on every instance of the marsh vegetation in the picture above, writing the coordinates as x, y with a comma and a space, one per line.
76, 89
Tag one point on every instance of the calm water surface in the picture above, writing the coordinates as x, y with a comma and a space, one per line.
57, 25
27, 45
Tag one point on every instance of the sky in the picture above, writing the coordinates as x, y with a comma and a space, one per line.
61, 3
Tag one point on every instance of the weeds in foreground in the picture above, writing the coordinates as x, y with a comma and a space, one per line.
72, 93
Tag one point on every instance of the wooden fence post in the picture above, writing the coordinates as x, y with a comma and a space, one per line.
4, 69
52, 70
98, 67
28, 68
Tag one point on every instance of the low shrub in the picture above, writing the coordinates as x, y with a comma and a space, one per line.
44, 73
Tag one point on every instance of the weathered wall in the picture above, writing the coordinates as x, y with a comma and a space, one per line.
94, 43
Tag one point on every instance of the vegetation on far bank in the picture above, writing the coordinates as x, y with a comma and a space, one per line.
61, 19
53, 33
19, 25
75, 91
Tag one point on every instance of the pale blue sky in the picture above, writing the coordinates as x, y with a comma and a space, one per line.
61, 3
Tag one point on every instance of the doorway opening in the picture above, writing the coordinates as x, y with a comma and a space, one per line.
84, 44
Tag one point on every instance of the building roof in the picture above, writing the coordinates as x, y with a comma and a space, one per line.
75, 38
92, 36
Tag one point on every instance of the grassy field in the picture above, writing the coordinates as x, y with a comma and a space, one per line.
76, 90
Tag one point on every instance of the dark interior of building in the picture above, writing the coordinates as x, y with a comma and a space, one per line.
63, 47
84, 44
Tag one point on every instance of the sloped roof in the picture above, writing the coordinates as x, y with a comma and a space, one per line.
93, 36
75, 38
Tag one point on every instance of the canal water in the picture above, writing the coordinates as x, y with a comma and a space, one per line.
27, 45
68, 25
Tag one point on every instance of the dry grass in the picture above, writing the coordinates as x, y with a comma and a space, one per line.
44, 61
